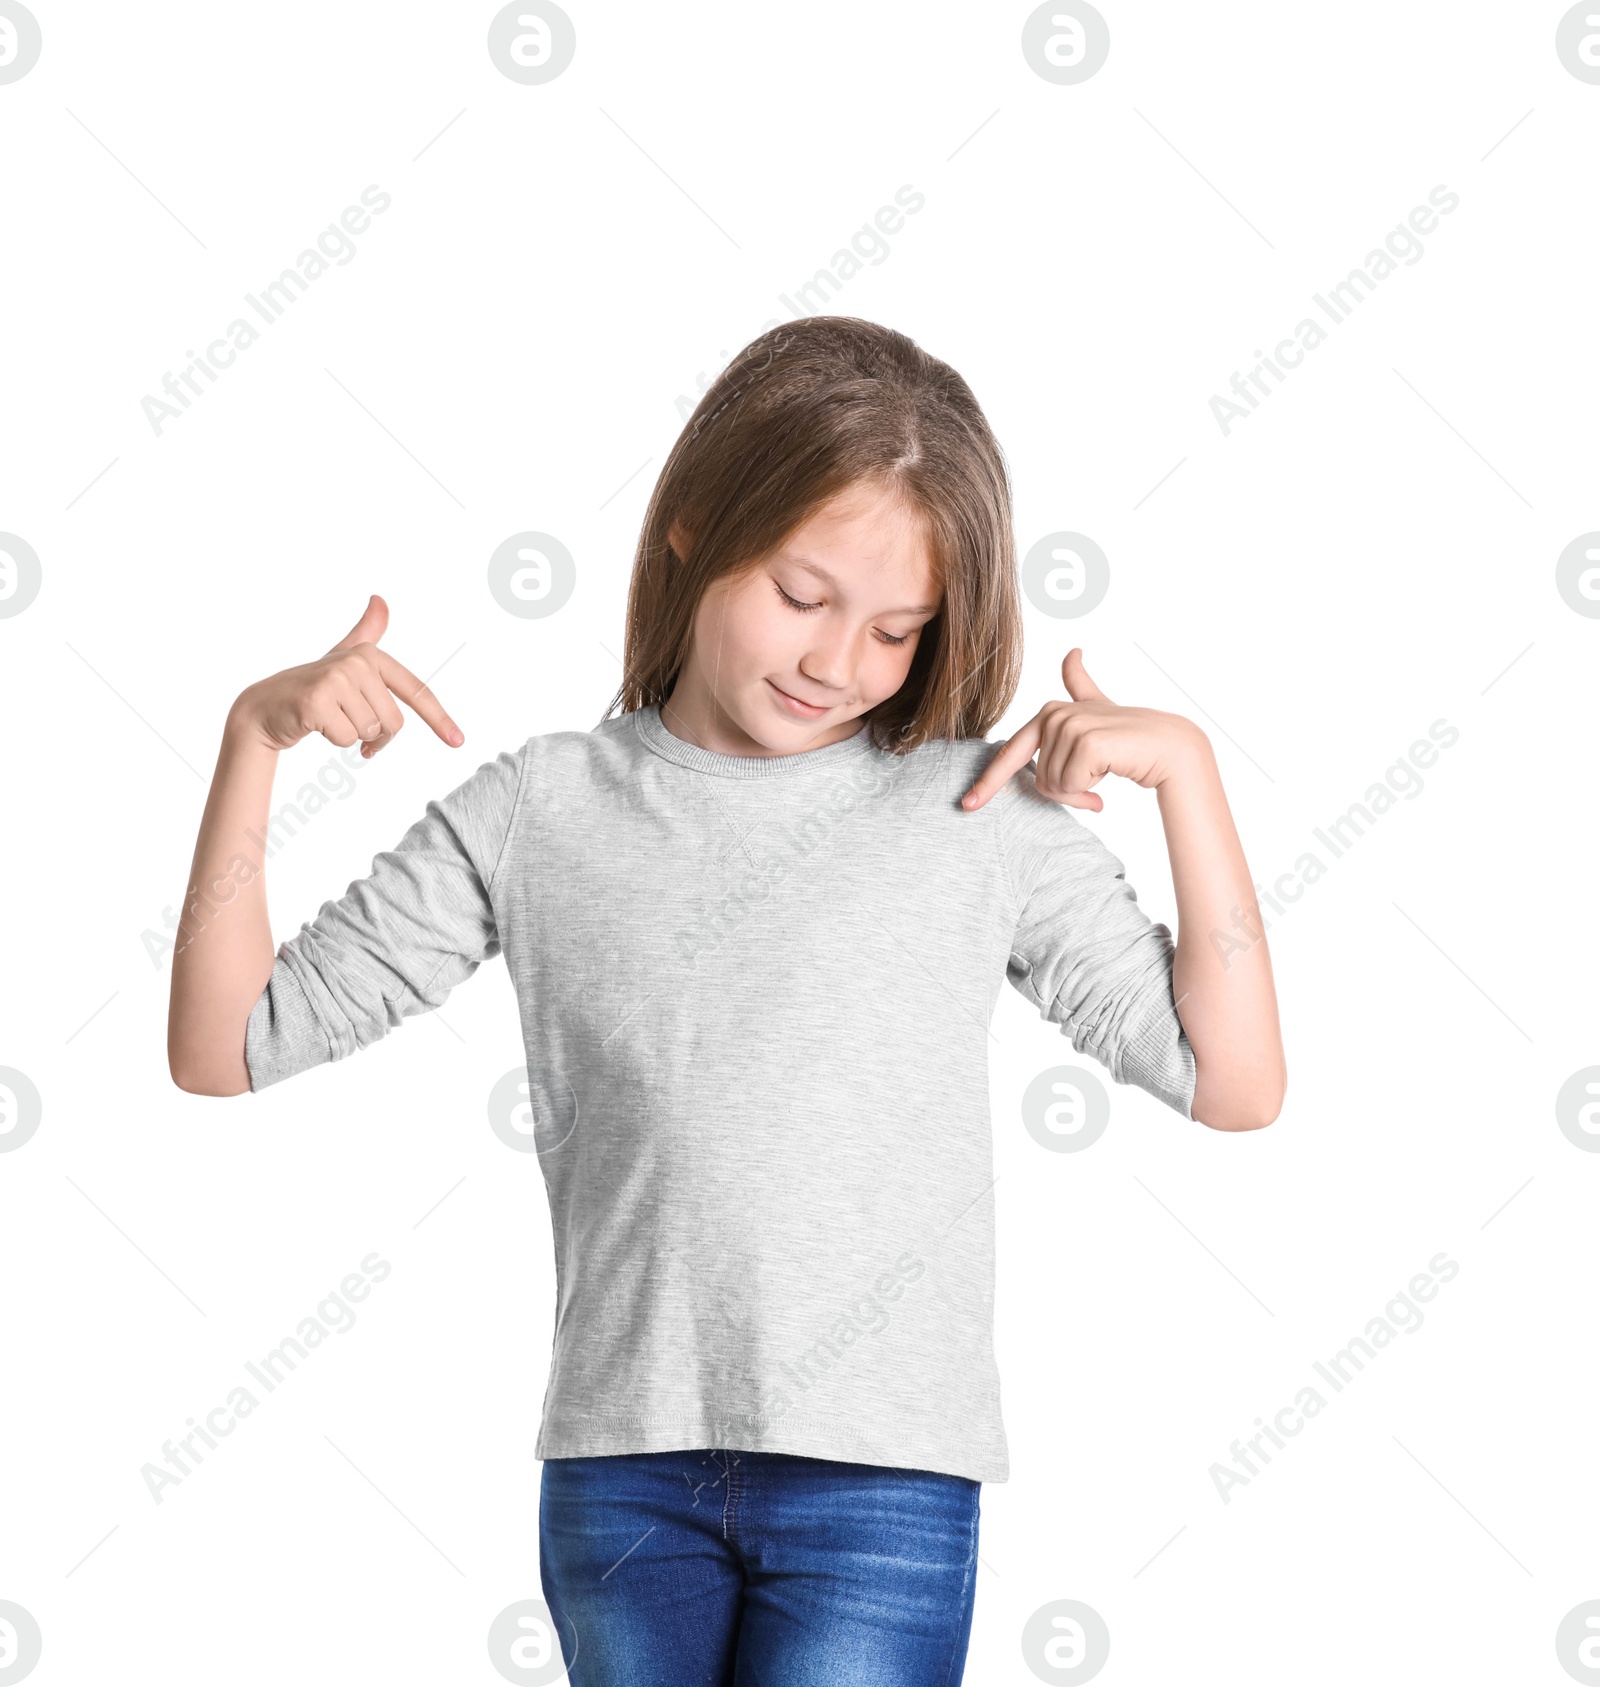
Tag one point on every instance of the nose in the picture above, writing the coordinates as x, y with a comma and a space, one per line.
827, 663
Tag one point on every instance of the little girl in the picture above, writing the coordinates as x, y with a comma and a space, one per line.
756, 923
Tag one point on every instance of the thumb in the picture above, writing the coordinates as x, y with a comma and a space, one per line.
369, 629
1080, 688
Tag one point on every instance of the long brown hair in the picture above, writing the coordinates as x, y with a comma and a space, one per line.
805, 411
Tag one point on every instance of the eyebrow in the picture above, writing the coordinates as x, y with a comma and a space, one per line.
823, 574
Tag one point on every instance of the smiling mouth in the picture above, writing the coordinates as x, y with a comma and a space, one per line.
799, 704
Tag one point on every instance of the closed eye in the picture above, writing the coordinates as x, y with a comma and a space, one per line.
807, 608
795, 603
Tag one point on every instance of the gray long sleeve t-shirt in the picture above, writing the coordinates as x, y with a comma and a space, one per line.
755, 995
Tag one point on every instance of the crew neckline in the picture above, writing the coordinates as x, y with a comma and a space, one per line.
655, 733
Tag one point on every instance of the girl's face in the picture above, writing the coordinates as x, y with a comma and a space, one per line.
790, 655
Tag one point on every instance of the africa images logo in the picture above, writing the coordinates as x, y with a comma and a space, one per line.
1578, 41
20, 41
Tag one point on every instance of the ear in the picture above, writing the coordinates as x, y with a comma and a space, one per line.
679, 540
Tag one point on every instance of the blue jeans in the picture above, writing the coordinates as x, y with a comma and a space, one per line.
719, 1568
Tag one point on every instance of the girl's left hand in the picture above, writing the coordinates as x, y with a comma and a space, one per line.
1080, 742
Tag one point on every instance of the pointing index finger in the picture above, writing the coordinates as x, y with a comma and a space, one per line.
1017, 751
409, 689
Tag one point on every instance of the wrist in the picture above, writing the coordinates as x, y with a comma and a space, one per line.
242, 729
1192, 760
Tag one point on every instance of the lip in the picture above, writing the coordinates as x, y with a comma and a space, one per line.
798, 705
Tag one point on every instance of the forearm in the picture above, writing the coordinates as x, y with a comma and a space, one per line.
1222, 974
224, 952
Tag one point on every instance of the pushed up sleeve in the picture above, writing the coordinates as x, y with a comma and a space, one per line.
1086, 954
397, 942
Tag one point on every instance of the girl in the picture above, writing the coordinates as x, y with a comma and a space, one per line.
756, 922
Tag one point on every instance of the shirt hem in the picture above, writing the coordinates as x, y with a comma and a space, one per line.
755, 1432
1158, 1057
285, 1034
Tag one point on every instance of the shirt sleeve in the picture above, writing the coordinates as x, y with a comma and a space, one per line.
397, 942
1086, 954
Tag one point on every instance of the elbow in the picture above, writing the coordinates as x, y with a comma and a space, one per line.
1246, 1112
194, 1080
1238, 1118
203, 1061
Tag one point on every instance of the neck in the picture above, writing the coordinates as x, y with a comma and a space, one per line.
692, 712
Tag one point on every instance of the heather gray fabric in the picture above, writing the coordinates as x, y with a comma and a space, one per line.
755, 996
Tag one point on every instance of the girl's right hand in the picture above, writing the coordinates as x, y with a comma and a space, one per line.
347, 695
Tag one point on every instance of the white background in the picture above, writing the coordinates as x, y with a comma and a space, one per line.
1373, 550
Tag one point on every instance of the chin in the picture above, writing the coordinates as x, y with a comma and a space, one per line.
765, 719
783, 731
